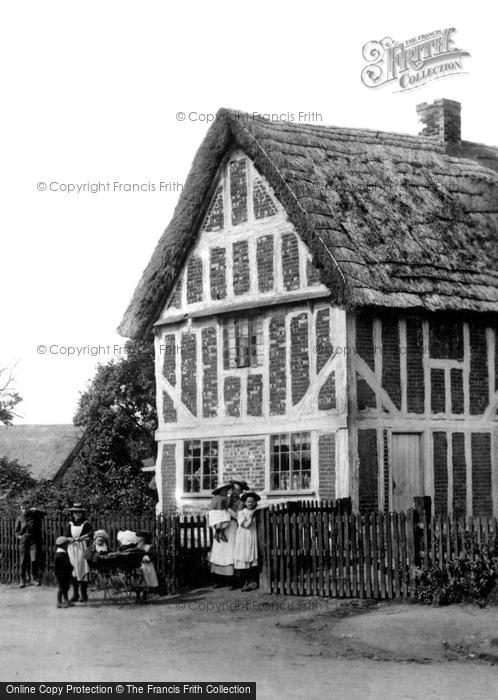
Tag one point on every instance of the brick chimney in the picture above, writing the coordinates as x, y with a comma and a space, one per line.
441, 119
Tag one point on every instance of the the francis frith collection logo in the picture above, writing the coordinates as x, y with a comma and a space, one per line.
412, 63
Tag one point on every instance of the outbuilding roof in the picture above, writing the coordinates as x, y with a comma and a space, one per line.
46, 450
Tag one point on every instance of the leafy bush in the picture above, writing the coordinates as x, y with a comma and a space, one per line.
14, 479
464, 579
125, 490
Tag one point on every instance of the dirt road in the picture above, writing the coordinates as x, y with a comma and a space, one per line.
295, 648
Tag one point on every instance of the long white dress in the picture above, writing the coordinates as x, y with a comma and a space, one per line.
221, 555
76, 552
245, 553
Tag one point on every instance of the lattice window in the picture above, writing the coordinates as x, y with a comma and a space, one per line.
200, 465
290, 462
243, 340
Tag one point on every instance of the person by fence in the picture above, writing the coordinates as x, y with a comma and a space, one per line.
80, 531
245, 553
305, 548
63, 571
28, 529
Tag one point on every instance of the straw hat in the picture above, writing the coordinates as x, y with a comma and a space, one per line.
251, 494
244, 486
224, 487
77, 508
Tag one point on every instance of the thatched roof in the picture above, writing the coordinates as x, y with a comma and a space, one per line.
392, 220
46, 450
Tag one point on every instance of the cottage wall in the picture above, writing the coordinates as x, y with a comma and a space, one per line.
433, 376
385, 403
249, 279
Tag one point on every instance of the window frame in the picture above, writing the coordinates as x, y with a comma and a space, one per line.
243, 355
290, 454
205, 453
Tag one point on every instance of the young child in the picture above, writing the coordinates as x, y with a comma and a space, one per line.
63, 571
218, 514
98, 548
144, 543
245, 553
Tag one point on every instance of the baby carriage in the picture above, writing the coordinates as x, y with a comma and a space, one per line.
116, 575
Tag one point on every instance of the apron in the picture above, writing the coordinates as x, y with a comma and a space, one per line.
76, 552
149, 574
149, 570
221, 555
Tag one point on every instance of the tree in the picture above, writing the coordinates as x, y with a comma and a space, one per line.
119, 417
9, 398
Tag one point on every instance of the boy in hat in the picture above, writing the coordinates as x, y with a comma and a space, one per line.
63, 571
28, 529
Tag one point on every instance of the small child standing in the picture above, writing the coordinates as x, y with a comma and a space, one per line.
147, 567
63, 571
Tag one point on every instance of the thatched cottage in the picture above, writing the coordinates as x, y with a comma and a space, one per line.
324, 304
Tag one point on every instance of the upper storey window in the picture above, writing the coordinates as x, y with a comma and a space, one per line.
238, 190
243, 342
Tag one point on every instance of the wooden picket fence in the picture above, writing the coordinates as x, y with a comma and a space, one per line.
165, 529
306, 548
312, 551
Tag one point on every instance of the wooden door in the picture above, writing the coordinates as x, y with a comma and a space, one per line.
407, 476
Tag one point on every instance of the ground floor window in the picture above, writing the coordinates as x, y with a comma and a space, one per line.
200, 465
290, 462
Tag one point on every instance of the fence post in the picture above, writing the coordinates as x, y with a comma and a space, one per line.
410, 550
421, 523
344, 506
263, 535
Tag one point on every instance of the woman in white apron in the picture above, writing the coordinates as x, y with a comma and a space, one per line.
221, 555
80, 531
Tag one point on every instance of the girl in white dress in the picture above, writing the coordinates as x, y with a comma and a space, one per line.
150, 581
80, 531
245, 553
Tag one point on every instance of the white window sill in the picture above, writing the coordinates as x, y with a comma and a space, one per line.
283, 494
205, 494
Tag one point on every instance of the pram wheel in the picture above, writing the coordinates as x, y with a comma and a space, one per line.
96, 583
137, 581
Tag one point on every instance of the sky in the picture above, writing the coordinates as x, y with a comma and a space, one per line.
91, 94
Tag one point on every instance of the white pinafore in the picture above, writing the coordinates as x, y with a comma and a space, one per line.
76, 552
